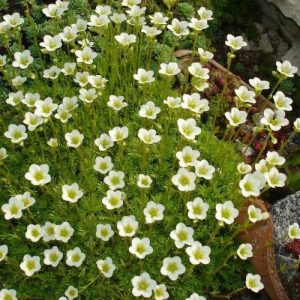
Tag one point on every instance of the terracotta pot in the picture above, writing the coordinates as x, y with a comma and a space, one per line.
263, 260
185, 57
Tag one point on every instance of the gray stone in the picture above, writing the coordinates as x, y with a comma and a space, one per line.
265, 44
282, 49
286, 267
260, 29
293, 55
285, 212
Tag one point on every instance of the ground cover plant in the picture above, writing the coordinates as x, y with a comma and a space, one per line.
114, 184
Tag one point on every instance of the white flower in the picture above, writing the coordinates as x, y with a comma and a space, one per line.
144, 181
143, 285
253, 282
118, 18
135, 11
172, 267
282, 102
144, 76
294, 231
68, 68
51, 43
187, 157
82, 78
63, 232
69, 103
194, 103
74, 138
236, 117
188, 128
103, 10
286, 69
97, 81
51, 73
34, 232
38, 174
118, 134
30, 264
179, 28
198, 71
198, 25
32, 121
114, 180
259, 85
45, 108
275, 178
71, 193
63, 115
104, 232
30, 99
88, 95
235, 43
204, 170
10, 294
184, 180
127, 226
16, 133
198, 253
205, 56
104, 142
106, 267
15, 98
160, 292
3, 154
3, 252
244, 95
140, 247
81, 25
244, 168
148, 136
199, 84
52, 11
86, 43
149, 110
53, 256
250, 185
205, 14
226, 212
297, 125
255, 214
195, 296
22, 59
153, 212
113, 199
125, 39
13, 20
75, 257
130, 3
245, 251
170, 69
18, 81
3, 60
173, 102
98, 23
116, 102
13, 209
197, 209
151, 32
71, 292
274, 159
103, 164
158, 20
182, 235
49, 232
86, 56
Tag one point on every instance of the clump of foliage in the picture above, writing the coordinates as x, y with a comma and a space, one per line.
118, 187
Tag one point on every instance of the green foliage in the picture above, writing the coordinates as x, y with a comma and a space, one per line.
185, 10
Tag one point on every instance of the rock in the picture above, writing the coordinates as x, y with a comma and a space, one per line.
293, 55
269, 23
285, 212
265, 44
282, 49
274, 37
285, 264
260, 29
